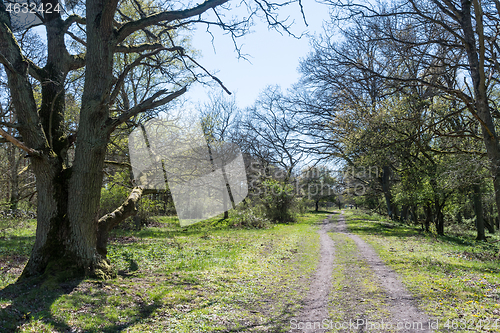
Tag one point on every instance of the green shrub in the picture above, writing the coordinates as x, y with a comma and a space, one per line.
250, 217
278, 201
112, 198
147, 208
303, 205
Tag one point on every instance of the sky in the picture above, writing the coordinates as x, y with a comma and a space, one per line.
273, 59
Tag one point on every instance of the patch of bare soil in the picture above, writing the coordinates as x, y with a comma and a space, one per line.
12, 264
123, 239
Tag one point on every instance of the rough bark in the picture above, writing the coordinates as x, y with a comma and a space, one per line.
14, 161
439, 220
413, 213
476, 58
61, 240
489, 223
69, 233
404, 213
33, 136
490, 220
86, 178
428, 217
478, 209
439, 203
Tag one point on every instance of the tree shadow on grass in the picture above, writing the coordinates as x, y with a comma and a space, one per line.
279, 322
19, 245
391, 229
29, 299
31, 303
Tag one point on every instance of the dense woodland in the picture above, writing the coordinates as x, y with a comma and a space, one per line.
396, 111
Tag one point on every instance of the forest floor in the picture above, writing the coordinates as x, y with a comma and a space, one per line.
349, 272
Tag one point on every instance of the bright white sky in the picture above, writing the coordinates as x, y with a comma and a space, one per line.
273, 58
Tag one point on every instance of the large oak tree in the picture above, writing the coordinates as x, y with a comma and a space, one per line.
70, 235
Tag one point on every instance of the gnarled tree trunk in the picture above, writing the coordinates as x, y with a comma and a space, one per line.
70, 236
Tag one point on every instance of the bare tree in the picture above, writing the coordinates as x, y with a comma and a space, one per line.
272, 134
219, 118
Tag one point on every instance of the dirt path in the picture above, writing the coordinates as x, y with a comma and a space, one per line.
402, 303
316, 303
366, 295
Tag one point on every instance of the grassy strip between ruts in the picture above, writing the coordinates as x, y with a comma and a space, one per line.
455, 279
171, 279
356, 294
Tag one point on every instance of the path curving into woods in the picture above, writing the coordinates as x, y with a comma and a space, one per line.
353, 290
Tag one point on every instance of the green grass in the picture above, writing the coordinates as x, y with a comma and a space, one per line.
210, 277
15, 247
455, 279
203, 278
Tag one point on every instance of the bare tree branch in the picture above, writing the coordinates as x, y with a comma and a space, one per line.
76, 61
109, 221
208, 73
19, 144
78, 39
36, 72
130, 27
138, 48
148, 104
73, 19
7, 64
120, 164
137, 62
